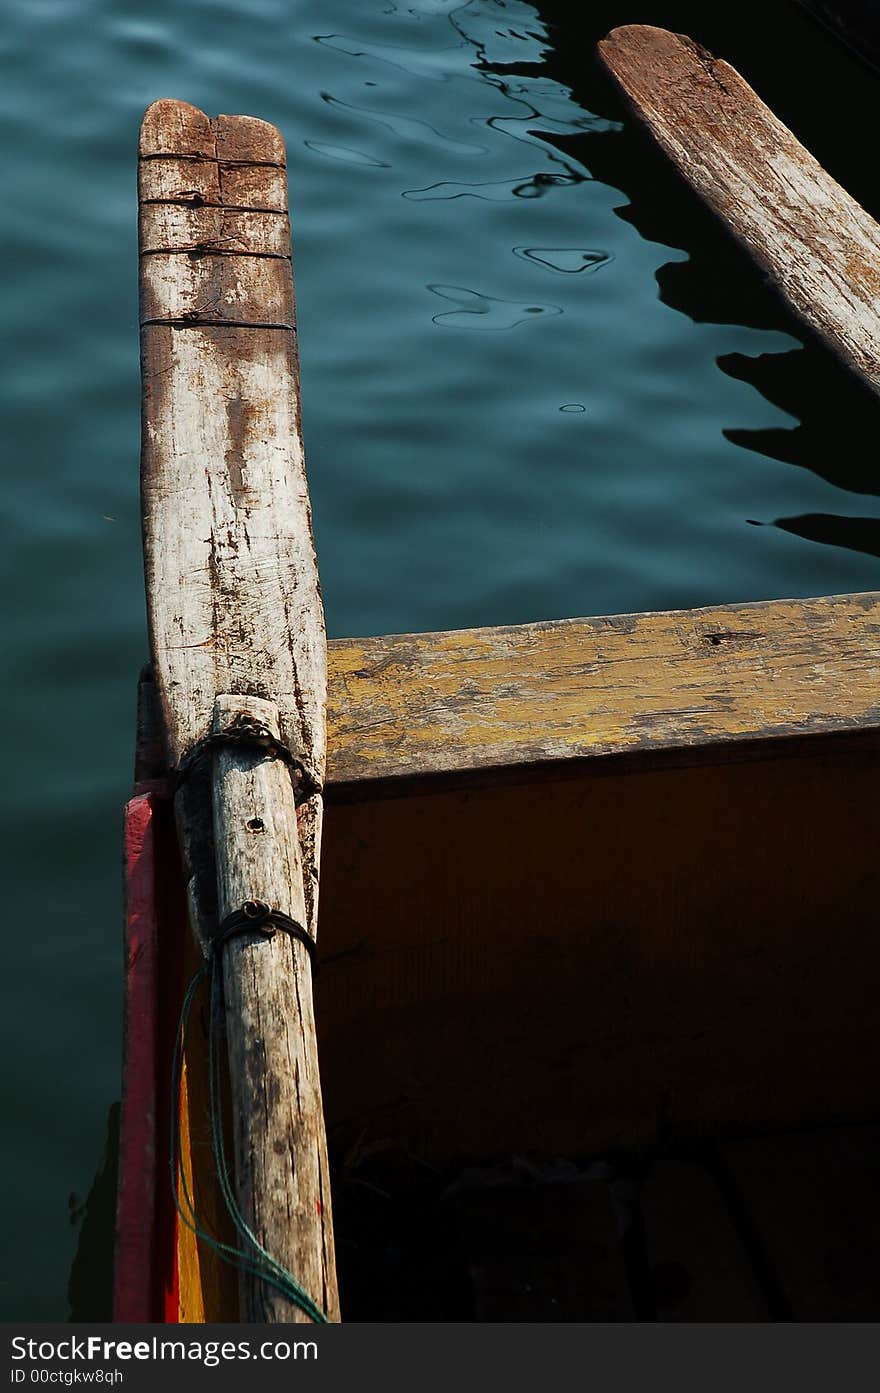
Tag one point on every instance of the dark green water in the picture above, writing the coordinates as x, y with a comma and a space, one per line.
504, 421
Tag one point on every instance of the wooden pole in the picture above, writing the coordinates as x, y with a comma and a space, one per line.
237, 630
280, 1149
818, 247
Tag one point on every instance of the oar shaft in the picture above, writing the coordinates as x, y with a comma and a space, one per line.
281, 1171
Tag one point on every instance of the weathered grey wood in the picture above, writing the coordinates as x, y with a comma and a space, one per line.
280, 1147
232, 584
179, 227
820, 248
235, 611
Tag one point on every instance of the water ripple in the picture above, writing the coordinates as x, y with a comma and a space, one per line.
476, 311
568, 261
433, 64
342, 152
501, 191
524, 128
407, 127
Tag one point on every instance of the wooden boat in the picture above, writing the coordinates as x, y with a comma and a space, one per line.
598, 959
616, 892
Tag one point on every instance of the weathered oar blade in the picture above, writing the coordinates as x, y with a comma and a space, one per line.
819, 247
232, 581
238, 641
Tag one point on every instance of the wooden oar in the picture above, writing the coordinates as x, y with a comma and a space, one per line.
238, 641
816, 244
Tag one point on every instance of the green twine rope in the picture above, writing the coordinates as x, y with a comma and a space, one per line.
253, 1258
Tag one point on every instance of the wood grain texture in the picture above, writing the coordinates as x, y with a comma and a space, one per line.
175, 227
281, 1171
233, 596
235, 611
478, 701
819, 247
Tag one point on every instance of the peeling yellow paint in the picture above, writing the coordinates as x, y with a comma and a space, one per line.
419, 703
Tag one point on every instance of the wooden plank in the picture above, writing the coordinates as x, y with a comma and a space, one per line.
476, 701
813, 1198
818, 246
232, 584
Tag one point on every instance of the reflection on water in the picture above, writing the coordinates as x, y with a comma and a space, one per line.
827, 404
432, 63
339, 152
570, 261
858, 534
718, 284
535, 186
453, 166
407, 127
490, 313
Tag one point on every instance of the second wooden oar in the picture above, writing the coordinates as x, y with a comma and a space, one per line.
817, 245
239, 650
